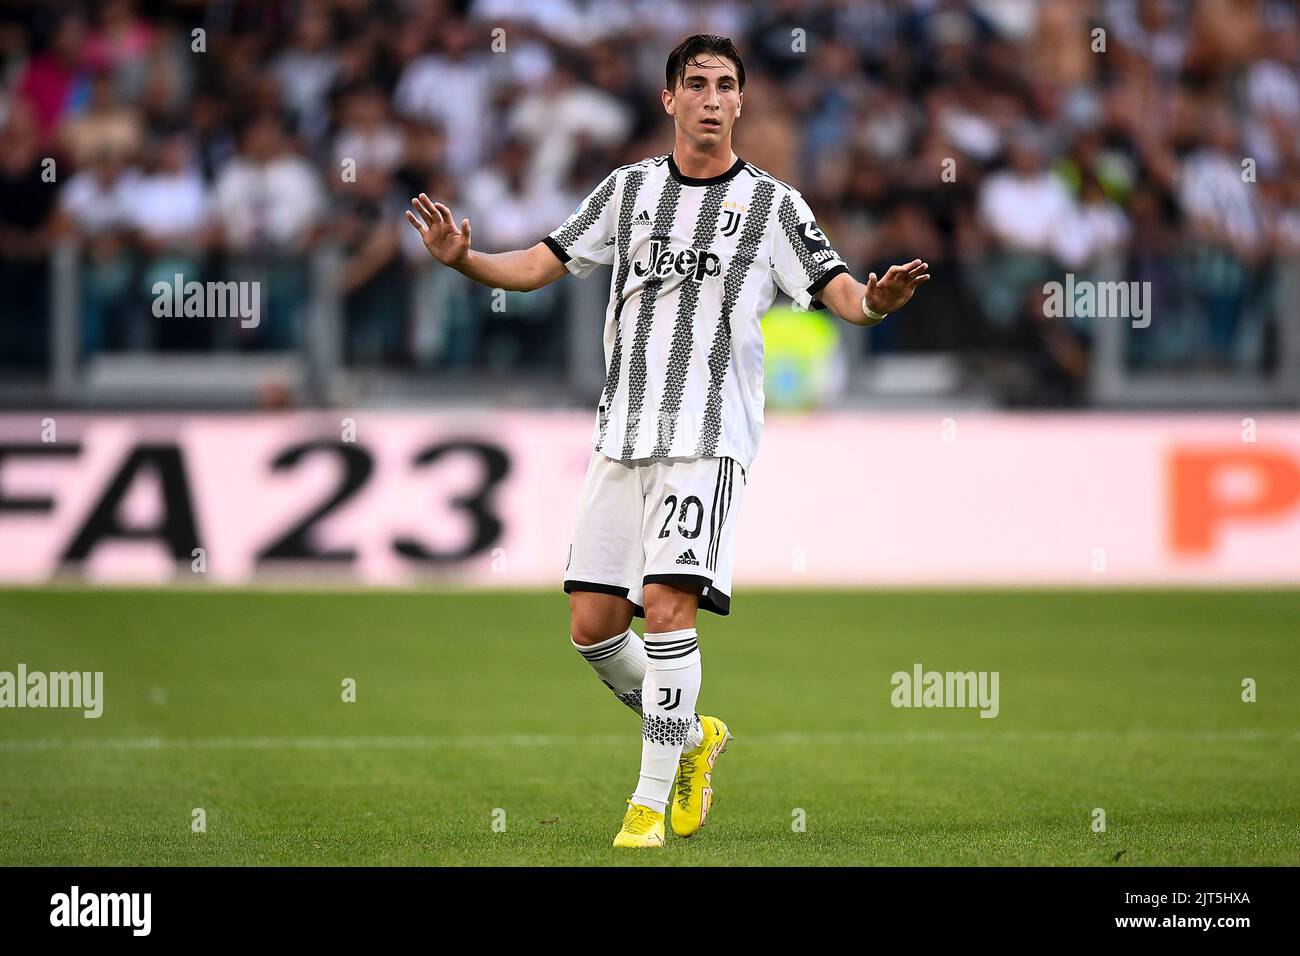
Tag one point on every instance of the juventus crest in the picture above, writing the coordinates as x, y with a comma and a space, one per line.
670, 695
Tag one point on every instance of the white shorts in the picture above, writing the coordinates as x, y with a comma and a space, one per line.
657, 521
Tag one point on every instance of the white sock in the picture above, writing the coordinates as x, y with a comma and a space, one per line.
668, 695
619, 662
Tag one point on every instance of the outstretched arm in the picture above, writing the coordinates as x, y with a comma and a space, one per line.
843, 294
521, 271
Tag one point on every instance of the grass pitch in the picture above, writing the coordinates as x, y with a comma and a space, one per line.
472, 709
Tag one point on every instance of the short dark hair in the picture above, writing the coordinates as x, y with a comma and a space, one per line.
690, 50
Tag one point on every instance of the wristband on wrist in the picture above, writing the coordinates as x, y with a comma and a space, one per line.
871, 313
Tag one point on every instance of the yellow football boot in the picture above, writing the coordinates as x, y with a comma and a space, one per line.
693, 790
641, 827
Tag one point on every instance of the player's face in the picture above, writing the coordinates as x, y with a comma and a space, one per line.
707, 101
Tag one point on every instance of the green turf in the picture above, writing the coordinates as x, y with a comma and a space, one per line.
1127, 701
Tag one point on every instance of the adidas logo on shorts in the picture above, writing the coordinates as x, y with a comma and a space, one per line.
687, 557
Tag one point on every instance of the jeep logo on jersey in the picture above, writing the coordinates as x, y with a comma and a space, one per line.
662, 260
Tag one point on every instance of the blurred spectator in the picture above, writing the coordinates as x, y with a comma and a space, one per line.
1026, 210
56, 80
369, 213
170, 215
1151, 30
368, 150
561, 117
214, 139
771, 42
121, 44
26, 223
452, 88
95, 208
1226, 231
1057, 371
512, 215
269, 204
831, 95
948, 317
267, 198
367, 137
106, 125
1103, 229
306, 71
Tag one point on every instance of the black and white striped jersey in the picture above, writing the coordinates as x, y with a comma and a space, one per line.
697, 263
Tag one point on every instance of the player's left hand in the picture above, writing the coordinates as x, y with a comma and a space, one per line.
893, 291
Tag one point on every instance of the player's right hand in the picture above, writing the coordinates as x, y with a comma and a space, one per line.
437, 229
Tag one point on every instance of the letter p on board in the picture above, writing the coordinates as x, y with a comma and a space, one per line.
1203, 502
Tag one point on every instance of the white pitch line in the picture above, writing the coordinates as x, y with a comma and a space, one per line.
302, 743
793, 738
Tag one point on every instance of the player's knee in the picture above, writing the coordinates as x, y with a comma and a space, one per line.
669, 608
597, 617
585, 635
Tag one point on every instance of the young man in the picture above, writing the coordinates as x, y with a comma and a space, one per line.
700, 241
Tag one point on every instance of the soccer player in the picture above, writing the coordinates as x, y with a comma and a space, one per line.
700, 241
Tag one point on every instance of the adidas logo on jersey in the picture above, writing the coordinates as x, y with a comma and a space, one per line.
642, 220
687, 557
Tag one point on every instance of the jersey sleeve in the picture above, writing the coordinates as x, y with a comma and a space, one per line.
802, 258
586, 239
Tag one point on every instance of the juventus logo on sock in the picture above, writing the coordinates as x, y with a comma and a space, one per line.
670, 694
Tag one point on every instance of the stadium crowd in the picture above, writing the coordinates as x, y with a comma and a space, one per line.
1007, 142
